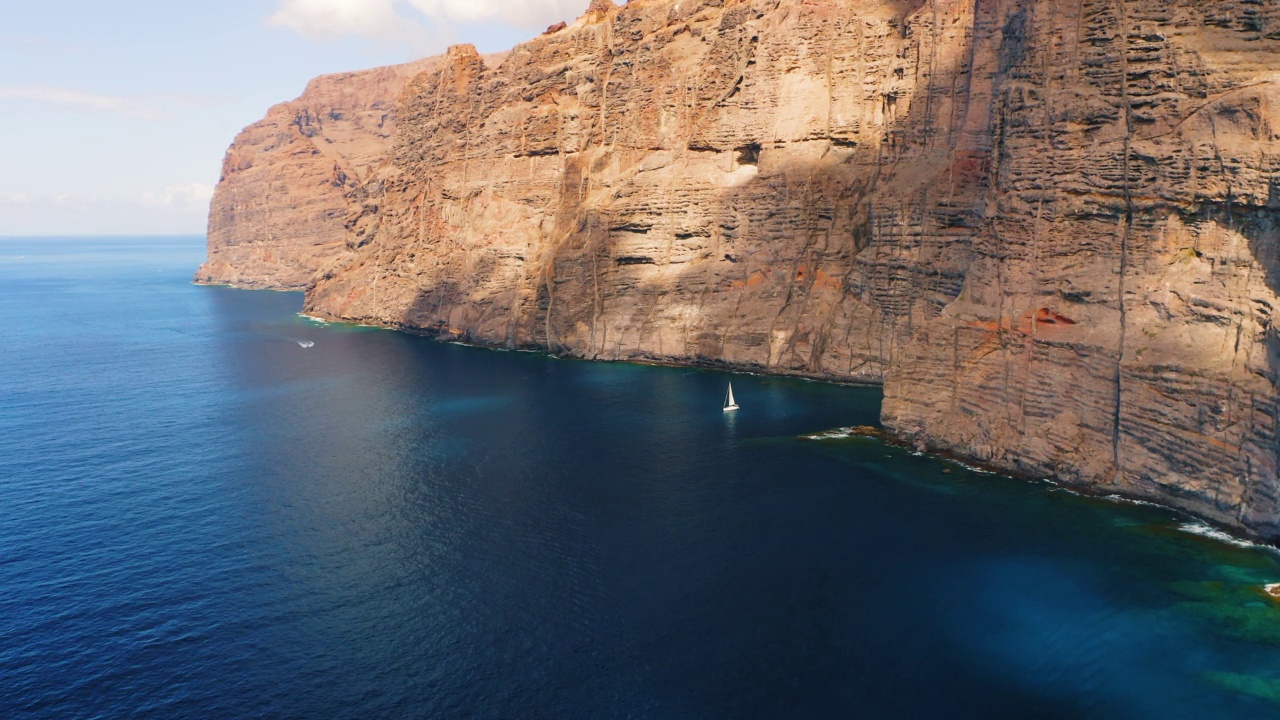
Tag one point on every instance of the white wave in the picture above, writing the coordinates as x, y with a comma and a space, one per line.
1273, 589
976, 469
306, 344
1132, 501
1199, 528
313, 319
836, 434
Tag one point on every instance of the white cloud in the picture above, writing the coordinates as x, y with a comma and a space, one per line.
398, 19
66, 97
332, 18
41, 44
62, 96
525, 13
173, 210
189, 196
176, 209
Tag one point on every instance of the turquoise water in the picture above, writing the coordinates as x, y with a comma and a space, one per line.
200, 517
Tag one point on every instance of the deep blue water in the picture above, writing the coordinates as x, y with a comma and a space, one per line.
201, 518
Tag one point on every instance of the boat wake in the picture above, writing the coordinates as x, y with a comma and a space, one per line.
305, 343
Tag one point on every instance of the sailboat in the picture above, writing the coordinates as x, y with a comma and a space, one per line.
729, 404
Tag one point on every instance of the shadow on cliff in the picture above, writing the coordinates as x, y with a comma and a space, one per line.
1261, 227
799, 252
814, 240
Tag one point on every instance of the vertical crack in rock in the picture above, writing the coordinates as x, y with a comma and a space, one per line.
1125, 232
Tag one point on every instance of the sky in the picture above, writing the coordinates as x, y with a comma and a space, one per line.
114, 116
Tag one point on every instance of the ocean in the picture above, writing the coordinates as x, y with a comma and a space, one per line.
212, 507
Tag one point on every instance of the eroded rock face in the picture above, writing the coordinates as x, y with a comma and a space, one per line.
1115, 327
675, 181
1050, 228
280, 209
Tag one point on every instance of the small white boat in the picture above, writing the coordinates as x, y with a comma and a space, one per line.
729, 404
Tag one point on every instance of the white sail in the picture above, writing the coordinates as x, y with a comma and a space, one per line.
729, 404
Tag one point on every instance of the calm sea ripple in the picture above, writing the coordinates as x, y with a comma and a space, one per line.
213, 507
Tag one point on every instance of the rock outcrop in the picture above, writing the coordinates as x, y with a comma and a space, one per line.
1048, 226
280, 209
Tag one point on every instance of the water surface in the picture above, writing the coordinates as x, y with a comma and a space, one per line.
212, 507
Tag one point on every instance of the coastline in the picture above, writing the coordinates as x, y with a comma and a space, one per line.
465, 339
1232, 534
197, 281
520, 489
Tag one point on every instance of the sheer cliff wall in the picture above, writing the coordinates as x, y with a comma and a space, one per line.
1049, 227
280, 208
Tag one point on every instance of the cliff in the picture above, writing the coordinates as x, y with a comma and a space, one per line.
1048, 227
280, 208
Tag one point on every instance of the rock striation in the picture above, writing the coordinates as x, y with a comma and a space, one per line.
280, 208
1049, 227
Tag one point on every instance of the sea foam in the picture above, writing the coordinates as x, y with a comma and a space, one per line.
836, 434
1203, 530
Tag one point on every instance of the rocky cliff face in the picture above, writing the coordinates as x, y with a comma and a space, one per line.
1048, 226
1115, 327
280, 209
